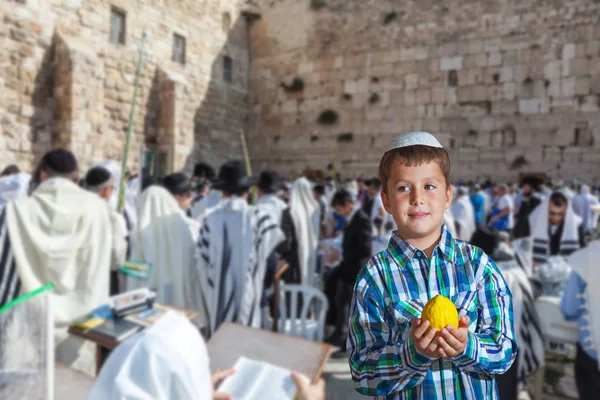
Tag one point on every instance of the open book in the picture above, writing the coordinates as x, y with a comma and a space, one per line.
258, 380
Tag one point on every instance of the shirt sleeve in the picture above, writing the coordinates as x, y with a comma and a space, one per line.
570, 305
491, 348
380, 365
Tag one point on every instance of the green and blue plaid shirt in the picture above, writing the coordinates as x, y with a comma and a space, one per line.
393, 288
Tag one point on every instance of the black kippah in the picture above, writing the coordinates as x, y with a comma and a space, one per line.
61, 161
97, 176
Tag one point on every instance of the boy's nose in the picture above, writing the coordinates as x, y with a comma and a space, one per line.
416, 197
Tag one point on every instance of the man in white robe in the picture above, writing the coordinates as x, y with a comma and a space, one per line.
268, 185
206, 197
100, 181
166, 240
464, 215
14, 186
582, 204
235, 241
59, 234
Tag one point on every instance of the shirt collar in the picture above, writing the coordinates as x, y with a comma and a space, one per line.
404, 252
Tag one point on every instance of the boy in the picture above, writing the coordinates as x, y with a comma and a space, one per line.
393, 353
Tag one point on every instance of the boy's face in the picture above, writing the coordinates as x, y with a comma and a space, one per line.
417, 197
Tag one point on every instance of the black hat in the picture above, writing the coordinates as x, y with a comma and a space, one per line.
97, 177
269, 182
61, 161
203, 170
233, 177
532, 181
177, 183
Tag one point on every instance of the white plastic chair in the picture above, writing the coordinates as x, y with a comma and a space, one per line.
307, 322
559, 335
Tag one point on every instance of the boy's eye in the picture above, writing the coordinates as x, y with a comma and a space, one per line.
403, 188
429, 187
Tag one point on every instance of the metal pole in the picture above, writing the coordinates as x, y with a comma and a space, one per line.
121, 202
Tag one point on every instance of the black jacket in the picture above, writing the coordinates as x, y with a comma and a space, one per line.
356, 246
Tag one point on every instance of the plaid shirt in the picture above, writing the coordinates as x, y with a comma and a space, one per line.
393, 288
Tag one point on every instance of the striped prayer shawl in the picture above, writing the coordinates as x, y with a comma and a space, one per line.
528, 333
10, 284
235, 241
541, 248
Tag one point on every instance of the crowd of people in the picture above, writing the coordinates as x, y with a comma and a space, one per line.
214, 241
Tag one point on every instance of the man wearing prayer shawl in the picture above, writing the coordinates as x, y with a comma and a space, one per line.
100, 181
268, 185
59, 234
208, 197
582, 204
166, 239
14, 186
300, 224
464, 216
235, 241
581, 303
555, 229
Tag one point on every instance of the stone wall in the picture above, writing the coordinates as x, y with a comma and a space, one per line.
508, 86
64, 83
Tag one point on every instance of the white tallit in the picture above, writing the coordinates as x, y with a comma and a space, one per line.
304, 210
168, 360
585, 263
464, 216
235, 241
582, 204
538, 221
14, 187
166, 239
273, 206
62, 234
527, 327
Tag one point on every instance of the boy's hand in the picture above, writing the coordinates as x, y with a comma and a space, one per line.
452, 341
422, 339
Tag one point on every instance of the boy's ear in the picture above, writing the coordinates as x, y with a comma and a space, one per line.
386, 202
448, 196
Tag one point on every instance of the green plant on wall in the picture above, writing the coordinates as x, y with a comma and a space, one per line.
328, 117
316, 4
297, 85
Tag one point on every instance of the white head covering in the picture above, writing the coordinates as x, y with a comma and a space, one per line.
168, 360
14, 187
414, 139
304, 210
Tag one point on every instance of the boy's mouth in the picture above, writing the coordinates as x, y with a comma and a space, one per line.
418, 215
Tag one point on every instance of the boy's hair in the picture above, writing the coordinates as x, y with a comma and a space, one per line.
341, 198
558, 199
410, 156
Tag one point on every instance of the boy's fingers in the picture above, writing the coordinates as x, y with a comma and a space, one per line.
444, 347
428, 338
451, 338
464, 321
420, 329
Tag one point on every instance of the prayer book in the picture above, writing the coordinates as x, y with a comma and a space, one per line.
258, 380
117, 329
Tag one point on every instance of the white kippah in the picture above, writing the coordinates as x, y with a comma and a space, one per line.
414, 139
